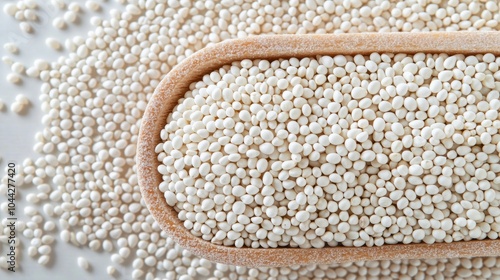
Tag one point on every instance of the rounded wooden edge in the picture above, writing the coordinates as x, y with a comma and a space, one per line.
175, 84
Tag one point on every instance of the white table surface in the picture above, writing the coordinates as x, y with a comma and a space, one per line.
17, 139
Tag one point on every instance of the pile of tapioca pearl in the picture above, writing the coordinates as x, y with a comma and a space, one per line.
26, 11
94, 97
363, 150
23, 11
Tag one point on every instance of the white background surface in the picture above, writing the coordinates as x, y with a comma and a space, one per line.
17, 139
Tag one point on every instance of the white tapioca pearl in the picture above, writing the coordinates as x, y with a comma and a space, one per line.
445, 76
474, 214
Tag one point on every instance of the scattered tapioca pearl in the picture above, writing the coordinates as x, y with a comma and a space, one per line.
21, 98
74, 7
83, 263
43, 260
110, 270
7, 60
58, 23
70, 16
17, 67
10, 9
53, 43
44, 250
16, 107
47, 239
60, 4
25, 27
20, 103
11, 47
92, 5
32, 251
30, 15
13, 78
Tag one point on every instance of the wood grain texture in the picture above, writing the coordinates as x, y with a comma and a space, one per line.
174, 85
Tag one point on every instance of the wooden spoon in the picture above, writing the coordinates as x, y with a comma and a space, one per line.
176, 83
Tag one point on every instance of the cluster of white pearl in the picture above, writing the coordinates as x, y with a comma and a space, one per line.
363, 150
20, 104
24, 11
